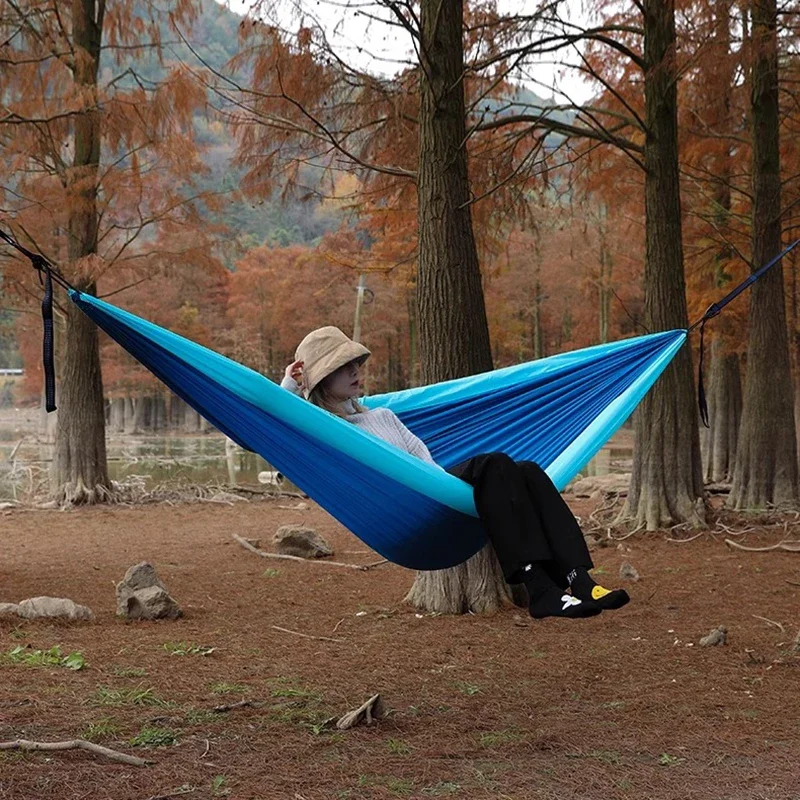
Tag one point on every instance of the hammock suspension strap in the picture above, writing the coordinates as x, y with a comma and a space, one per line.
715, 309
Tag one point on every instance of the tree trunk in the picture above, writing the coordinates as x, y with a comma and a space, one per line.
666, 483
80, 471
724, 412
453, 332
766, 458
116, 417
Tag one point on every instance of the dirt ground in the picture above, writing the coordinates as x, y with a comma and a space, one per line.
625, 705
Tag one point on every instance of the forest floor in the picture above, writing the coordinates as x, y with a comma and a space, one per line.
625, 705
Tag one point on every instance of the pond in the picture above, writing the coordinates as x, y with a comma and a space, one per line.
200, 459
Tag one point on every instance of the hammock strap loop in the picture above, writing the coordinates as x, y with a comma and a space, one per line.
47, 274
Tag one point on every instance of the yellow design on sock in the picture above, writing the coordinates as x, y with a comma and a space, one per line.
598, 592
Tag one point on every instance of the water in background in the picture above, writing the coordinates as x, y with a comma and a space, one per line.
200, 459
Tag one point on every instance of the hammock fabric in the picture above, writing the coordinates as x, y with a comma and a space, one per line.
557, 411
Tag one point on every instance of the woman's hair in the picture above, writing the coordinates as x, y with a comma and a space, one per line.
320, 396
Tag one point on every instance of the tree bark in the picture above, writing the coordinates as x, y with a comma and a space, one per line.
451, 316
666, 482
80, 471
766, 458
724, 412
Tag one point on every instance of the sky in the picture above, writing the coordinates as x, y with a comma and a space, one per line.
381, 49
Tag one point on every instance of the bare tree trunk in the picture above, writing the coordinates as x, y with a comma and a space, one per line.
453, 332
666, 483
80, 471
766, 459
724, 411
116, 420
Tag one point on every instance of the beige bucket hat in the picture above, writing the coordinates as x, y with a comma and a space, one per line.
323, 351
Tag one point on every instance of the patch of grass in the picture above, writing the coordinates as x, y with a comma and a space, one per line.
229, 688
201, 716
129, 672
750, 713
218, 785
45, 658
270, 572
538, 653
666, 760
288, 687
469, 689
398, 747
599, 571
18, 633
441, 789
400, 785
135, 696
499, 738
155, 737
613, 705
100, 731
187, 649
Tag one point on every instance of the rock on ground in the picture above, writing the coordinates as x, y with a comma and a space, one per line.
628, 572
297, 540
47, 608
142, 595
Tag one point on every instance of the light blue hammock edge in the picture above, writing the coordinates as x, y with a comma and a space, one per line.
411, 512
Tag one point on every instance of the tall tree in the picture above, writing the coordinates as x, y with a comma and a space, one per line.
96, 167
409, 138
766, 458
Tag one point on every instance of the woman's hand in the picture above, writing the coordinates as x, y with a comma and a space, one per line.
295, 371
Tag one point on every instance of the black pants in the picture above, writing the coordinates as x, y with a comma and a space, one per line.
525, 517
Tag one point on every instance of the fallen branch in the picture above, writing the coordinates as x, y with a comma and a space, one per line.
731, 531
307, 635
231, 706
361, 567
690, 539
790, 545
770, 622
74, 744
368, 713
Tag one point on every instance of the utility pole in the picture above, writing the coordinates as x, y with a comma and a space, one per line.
362, 285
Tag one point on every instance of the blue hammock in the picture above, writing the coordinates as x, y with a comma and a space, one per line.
557, 411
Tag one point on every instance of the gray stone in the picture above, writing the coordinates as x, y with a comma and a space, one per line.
297, 540
715, 638
8, 610
152, 602
142, 595
59, 607
628, 572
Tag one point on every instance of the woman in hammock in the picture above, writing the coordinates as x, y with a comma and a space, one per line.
536, 537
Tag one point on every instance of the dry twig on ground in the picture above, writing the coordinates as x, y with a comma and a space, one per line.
307, 635
74, 744
253, 549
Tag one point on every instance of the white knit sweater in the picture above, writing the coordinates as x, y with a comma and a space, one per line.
380, 422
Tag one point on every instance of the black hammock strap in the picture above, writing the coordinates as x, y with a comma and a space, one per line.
46, 276
713, 310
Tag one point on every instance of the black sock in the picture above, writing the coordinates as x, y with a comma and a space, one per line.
547, 600
584, 588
